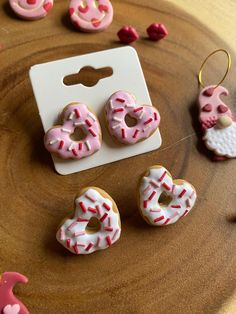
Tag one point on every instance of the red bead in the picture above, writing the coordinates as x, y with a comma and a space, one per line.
207, 108
128, 34
157, 31
222, 109
209, 92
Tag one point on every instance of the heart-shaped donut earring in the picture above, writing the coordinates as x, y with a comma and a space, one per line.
95, 225
129, 122
161, 200
215, 116
66, 142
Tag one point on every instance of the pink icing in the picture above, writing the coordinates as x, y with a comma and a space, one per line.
58, 140
211, 106
118, 106
8, 302
31, 9
91, 15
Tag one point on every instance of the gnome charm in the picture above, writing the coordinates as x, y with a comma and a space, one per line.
9, 304
216, 118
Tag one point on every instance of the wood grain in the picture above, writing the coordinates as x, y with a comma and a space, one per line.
185, 268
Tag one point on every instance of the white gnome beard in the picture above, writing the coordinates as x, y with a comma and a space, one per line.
222, 141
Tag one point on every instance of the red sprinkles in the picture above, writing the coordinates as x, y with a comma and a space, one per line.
61, 144
162, 176
88, 122
135, 133
82, 220
148, 121
118, 110
166, 186
108, 239
89, 246
74, 152
175, 206
82, 206
184, 214
123, 133
105, 205
152, 195
182, 193
75, 247
77, 113
103, 217
68, 243
120, 100
92, 210
92, 132
159, 218
138, 109
108, 229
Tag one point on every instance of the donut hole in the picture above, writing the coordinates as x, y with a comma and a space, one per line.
78, 135
130, 121
164, 199
93, 226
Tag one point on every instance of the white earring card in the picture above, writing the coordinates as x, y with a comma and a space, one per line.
52, 95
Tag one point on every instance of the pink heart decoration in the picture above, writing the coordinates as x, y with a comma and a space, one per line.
11, 309
121, 104
83, 9
48, 6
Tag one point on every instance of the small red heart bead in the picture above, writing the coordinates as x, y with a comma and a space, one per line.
83, 9
207, 108
103, 8
222, 109
209, 92
47, 6
95, 22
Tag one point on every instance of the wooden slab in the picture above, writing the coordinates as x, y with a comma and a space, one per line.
185, 268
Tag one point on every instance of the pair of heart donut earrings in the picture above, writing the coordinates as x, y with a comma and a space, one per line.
59, 139
96, 223
216, 118
85, 15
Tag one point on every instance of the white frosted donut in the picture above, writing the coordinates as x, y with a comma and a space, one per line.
92, 203
179, 199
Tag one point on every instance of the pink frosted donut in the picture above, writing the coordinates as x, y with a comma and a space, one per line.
121, 104
31, 9
91, 15
58, 139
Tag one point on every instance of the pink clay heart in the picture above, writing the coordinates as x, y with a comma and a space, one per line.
11, 309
